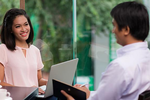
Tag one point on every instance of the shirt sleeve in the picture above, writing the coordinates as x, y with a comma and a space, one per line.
3, 55
39, 59
113, 83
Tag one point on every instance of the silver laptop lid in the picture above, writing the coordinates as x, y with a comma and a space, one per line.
64, 71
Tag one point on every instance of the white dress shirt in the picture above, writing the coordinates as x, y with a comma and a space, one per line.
127, 76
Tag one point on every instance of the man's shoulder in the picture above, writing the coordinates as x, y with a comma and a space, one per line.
124, 62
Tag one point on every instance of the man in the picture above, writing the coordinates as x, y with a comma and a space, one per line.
129, 74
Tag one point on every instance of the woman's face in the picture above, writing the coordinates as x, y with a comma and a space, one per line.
21, 28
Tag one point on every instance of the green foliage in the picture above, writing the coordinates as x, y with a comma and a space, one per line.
54, 18
96, 14
6, 5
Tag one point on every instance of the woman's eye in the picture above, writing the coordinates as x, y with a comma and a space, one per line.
26, 24
17, 26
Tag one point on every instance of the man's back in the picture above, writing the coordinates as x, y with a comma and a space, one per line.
127, 76
135, 61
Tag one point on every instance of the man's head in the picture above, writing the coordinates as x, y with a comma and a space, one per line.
132, 16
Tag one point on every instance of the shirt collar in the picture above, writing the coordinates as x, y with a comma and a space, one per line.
131, 47
17, 47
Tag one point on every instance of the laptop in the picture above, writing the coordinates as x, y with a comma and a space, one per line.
64, 71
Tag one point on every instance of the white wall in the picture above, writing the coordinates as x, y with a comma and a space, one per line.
100, 55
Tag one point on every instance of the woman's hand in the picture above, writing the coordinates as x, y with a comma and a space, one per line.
69, 97
41, 91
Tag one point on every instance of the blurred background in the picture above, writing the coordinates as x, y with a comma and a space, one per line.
68, 29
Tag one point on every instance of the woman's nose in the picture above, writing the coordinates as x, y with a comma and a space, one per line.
23, 28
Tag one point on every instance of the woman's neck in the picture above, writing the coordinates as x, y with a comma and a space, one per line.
22, 44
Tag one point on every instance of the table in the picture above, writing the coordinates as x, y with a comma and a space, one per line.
25, 93
22, 93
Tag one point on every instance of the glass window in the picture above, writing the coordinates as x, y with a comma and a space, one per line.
52, 23
5, 6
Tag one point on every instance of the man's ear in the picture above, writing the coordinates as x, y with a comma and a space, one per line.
127, 30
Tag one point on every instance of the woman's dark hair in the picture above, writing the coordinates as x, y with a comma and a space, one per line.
6, 32
135, 16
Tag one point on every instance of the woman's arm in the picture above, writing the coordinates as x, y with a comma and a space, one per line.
41, 80
2, 74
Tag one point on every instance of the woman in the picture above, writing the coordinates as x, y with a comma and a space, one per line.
20, 61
